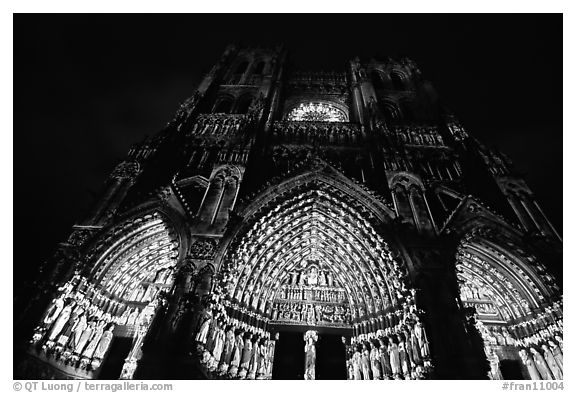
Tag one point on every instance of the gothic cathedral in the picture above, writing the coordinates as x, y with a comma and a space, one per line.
303, 225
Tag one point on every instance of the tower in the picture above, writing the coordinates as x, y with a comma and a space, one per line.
346, 206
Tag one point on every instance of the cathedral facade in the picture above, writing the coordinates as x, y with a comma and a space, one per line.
303, 225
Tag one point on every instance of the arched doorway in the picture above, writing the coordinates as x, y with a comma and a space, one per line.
516, 306
99, 317
311, 261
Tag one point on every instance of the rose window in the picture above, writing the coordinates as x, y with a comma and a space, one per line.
316, 111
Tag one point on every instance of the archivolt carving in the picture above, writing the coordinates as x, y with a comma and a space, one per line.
314, 226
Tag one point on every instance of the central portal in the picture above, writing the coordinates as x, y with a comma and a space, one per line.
308, 261
290, 355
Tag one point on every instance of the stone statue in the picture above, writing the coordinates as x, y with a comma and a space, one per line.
541, 365
81, 324
133, 317
310, 356
384, 360
202, 335
551, 362
271, 350
228, 350
293, 278
312, 278
330, 279
350, 369
84, 337
218, 345
409, 350
404, 365
422, 339
310, 317
53, 311
104, 343
246, 356
375, 362
529, 363
263, 360
357, 364
494, 360
254, 360
237, 355
394, 359
67, 329
61, 321
558, 356
365, 362
91, 347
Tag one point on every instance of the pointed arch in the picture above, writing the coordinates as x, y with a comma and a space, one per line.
144, 241
506, 286
324, 177
312, 224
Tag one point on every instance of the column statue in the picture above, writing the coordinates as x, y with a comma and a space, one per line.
394, 358
67, 330
311, 336
422, 339
365, 361
558, 356
357, 363
254, 360
271, 350
541, 365
202, 335
385, 360
560, 343
236, 355
103, 345
246, 356
91, 347
77, 331
84, 337
350, 369
404, 362
61, 321
53, 311
415, 347
228, 349
133, 317
494, 360
263, 360
408, 348
530, 365
551, 362
375, 361
218, 347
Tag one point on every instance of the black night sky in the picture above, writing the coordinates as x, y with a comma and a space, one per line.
86, 87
